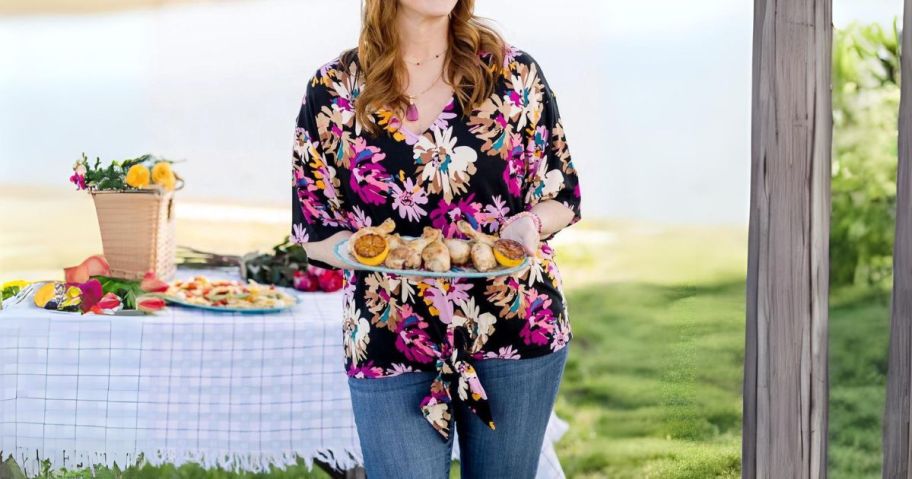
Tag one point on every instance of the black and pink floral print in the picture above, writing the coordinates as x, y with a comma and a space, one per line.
480, 166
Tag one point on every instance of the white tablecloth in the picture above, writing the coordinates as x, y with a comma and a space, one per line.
238, 391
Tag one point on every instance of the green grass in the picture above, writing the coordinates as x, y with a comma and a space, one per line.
859, 339
652, 388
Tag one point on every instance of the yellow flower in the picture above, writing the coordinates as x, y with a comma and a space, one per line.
19, 283
138, 176
12, 288
162, 175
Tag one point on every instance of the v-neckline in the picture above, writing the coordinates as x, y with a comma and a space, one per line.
451, 101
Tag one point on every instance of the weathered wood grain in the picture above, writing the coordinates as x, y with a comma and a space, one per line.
896, 443
785, 367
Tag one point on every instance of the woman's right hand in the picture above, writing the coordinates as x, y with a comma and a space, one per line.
323, 251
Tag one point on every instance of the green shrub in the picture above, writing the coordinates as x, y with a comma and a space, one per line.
865, 113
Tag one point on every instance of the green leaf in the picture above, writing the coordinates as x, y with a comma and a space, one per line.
866, 69
126, 290
9, 292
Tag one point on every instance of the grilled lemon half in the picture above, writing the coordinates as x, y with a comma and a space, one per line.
508, 253
370, 249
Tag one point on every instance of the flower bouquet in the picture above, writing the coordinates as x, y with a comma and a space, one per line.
134, 202
286, 266
102, 295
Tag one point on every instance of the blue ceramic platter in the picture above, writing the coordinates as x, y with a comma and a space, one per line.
342, 253
179, 302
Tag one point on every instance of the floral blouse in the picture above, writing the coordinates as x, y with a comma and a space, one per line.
481, 166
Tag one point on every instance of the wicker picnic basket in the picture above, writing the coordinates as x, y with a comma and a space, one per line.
137, 232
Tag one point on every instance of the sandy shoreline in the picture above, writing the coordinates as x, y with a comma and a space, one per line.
49, 228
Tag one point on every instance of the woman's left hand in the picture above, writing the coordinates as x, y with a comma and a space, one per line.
524, 232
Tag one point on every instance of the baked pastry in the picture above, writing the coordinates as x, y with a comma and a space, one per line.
460, 251
483, 256
398, 252
436, 256
481, 250
465, 228
407, 254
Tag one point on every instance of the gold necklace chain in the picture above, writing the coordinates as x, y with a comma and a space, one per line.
419, 62
412, 97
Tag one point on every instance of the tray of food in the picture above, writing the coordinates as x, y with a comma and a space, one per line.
228, 296
431, 255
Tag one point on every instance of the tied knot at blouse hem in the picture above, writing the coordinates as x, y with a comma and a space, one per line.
481, 166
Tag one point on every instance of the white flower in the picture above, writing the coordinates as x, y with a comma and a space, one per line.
484, 323
463, 388
547, 184
458, 321
406, 288
347, 89
535, 271
437, 413
446, 167
528, 90
356, 333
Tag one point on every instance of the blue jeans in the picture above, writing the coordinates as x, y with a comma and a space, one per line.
399, 443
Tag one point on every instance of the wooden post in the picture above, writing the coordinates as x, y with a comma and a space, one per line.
785, 364
896, 418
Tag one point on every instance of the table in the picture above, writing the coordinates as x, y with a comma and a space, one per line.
242, 392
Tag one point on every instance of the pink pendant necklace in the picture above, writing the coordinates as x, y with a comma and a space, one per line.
411, 113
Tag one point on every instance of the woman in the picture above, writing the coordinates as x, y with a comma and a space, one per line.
432, 119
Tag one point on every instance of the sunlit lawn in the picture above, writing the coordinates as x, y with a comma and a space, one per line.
653, 385
655, 388
859, 338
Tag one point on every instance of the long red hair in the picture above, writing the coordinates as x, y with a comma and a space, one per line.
384, 72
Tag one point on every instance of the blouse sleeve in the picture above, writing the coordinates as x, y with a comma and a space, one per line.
316, 201
550, 173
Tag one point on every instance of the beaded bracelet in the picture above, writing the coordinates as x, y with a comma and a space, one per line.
536, 220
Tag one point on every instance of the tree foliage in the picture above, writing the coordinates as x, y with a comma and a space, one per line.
865, 115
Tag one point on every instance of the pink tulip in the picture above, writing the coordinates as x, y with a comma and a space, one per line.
94, 265
151, 284
149, 304
109, 304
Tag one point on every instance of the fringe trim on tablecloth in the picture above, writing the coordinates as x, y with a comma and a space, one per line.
339, 458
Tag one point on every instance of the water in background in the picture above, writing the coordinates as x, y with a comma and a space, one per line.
655, 94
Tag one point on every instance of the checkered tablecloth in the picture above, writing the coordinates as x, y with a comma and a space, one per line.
238, 391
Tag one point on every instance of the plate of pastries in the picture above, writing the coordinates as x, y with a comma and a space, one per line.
480, 255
